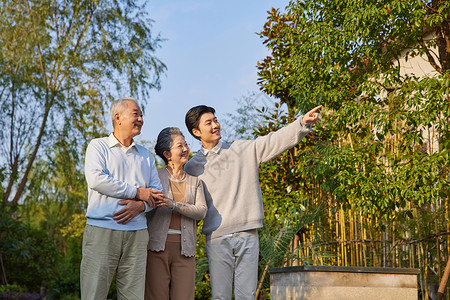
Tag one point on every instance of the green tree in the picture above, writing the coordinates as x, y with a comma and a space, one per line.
275, 70
381, 156
346, 55
56, 191
28, 251
60, 63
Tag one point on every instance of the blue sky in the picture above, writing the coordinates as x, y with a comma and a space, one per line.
211, 53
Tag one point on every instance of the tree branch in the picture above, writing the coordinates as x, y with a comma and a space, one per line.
430, 57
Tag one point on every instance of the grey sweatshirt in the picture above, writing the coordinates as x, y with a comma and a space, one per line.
231, 177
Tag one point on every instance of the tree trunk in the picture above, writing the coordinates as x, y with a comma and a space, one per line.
33, 155
4, 278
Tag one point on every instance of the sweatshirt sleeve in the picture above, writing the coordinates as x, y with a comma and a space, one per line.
269, 146
99, 178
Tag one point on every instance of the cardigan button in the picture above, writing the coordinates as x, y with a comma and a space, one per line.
184, 227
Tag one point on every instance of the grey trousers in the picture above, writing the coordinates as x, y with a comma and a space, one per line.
106, 251
234, 256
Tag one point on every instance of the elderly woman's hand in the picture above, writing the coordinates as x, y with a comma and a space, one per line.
165, 202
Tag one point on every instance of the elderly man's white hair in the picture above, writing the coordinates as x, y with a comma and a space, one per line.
119, 105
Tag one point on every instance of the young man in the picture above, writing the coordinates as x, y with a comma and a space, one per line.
122, 184
234, 198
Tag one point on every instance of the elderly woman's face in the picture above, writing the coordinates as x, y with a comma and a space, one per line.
179, 150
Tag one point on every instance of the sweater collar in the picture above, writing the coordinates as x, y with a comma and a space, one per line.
216, 149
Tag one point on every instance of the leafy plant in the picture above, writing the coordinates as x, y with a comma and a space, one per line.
276, 241
28, 255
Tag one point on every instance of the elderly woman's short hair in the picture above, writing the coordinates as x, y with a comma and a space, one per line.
119, 105
165, 141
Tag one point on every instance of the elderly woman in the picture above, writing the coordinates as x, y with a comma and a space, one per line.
172, 225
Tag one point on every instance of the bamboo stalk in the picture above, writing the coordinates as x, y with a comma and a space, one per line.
357, 245
425, 272
438, 248
296, 244
343, 237
339, 256
364, 250
352, 237
375, 259
394, 250
447, 212
383, 257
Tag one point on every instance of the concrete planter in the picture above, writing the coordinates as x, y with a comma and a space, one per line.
324, 282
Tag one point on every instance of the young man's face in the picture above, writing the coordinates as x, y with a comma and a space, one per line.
208, 129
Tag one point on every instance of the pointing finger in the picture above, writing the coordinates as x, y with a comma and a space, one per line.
315, 109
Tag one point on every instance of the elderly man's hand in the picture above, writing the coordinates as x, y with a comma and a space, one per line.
131, 209
149, 195
312, 116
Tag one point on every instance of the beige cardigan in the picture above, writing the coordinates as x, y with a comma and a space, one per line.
194, 208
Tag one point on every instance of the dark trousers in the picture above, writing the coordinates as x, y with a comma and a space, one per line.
170, 275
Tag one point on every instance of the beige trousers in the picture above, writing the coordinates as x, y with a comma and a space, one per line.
106, 252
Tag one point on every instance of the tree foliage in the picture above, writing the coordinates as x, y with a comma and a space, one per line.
60, 63
28, 251
382, 122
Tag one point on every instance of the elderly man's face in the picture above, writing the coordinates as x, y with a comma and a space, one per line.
130, 119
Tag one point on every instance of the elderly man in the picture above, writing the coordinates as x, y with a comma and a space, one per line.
233, 196
122, 185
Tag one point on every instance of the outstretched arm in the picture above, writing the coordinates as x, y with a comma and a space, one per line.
276, 142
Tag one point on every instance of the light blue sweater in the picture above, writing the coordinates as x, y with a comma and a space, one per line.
113, 175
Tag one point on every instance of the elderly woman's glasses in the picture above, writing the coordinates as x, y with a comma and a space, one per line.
181, 147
